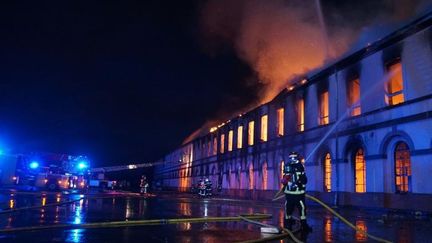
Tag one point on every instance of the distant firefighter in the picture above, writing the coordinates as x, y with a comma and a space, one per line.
201, 187
208, 187
294, 181
143, 185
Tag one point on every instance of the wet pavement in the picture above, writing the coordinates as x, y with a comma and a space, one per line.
397, 227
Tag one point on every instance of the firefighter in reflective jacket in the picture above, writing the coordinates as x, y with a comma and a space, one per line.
294, 181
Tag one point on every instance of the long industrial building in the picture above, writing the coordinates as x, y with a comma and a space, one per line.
363, 125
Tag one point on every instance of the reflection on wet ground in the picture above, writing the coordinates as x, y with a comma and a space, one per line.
398, 227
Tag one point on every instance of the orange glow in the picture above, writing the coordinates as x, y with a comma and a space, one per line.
281, 170
184, 173
265, 176
300, 115
328, 237
240, 137
402, 168
214, 146
43, 201
230, 140
354, 96
395, 84
251, 133
360, 235
280, 122
324, 108
264, 120
281, 220
360, 171
251, 176
11, 203
58, 199
327, 173
185, 209
222, 144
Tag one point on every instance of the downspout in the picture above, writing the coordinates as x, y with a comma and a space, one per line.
336, 195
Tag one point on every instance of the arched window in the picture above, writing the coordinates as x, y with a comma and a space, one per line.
251, 176
360, 171
402, 168
327, 172
264, 175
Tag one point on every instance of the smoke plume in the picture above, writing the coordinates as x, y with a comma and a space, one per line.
282, 40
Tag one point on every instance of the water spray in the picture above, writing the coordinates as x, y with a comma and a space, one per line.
348, 111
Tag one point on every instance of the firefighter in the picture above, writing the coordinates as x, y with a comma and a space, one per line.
294, 181
201, 187
208, 187
143, 184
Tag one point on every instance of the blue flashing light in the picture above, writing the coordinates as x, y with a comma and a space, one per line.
77, 220
34, 165
82, 165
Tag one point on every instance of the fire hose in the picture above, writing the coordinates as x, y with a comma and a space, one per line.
118, 224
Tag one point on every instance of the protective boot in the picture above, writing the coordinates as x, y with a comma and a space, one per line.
288, 223
304, 226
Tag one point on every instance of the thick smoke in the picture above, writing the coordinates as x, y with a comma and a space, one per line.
283, 40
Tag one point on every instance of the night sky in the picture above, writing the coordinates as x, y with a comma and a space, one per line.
121, 83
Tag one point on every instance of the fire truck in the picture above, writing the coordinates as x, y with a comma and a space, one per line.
52, 172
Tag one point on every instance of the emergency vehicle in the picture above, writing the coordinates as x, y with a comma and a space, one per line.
52, 172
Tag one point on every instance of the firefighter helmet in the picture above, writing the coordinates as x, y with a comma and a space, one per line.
294, 157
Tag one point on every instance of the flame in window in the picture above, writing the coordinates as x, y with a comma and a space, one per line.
280, 121
300, 115
360, 171
264, 124
240, 137
230, 140
251, 133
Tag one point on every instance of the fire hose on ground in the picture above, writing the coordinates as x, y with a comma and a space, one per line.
118, 224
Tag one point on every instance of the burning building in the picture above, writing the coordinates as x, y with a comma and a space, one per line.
363, 125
